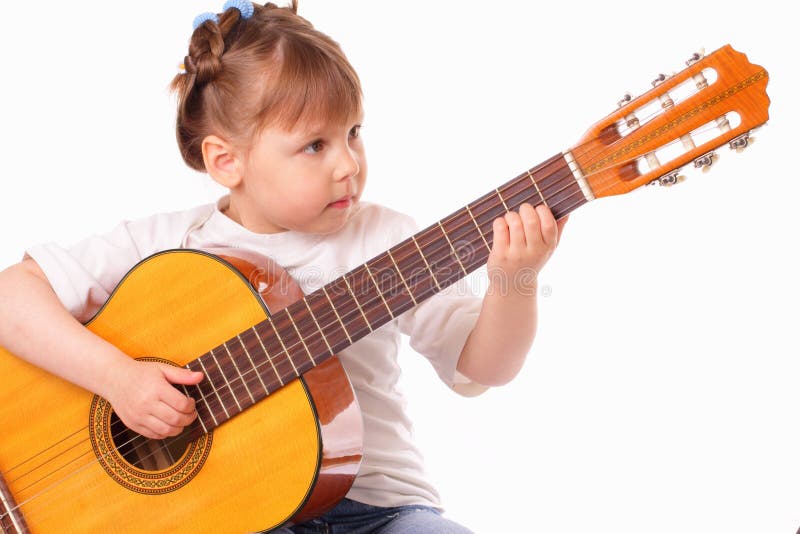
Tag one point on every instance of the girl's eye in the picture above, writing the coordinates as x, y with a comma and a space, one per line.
313, 148
355, 131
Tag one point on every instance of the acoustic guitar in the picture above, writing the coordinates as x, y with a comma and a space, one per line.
278, 436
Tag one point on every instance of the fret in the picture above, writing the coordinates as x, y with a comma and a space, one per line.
480, 232
467, 249
487, 209
321, 333
380, 293
537, 188
364, 315
357, 283
500, 196
519, 191
559, 186
333, 307
452, 248
285, 350
277, 348
269, 358
238, 354
552, 176
424, 259
342, 295
391, 284
214, 390
253, 365
416, 275
333, 334
313, 337
460, 229
433, 242
239, 371
225, 378
303, 341
405, 284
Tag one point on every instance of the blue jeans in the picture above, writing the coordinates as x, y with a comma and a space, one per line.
351, 517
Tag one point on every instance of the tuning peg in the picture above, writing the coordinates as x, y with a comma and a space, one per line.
627, 97
659, 79
697, 56
670, 179
705, 161
743, 141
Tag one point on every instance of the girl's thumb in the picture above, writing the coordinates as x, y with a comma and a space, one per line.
180, 375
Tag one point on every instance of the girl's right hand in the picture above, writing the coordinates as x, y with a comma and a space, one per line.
144, 398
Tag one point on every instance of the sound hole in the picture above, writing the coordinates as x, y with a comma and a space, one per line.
144, 453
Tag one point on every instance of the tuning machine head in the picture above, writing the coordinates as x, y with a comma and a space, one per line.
705, 161
743, 141
669, 179
697, 56
661, 78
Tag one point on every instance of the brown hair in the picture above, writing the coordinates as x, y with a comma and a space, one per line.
243, 75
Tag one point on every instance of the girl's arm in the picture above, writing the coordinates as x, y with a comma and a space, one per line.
36, 327
498, 344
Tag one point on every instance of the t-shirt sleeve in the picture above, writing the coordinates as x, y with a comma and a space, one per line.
85, 274
438, 327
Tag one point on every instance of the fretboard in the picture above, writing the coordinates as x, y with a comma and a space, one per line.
272, 353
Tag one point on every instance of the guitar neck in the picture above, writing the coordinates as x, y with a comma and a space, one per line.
308, 332
682, 119
381, 289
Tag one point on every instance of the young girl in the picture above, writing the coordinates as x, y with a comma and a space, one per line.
272, 110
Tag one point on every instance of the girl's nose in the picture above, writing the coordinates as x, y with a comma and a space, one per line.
347, 165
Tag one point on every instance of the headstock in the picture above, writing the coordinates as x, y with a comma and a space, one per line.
716, 99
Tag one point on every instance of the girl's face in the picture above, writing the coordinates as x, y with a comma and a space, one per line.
306, 179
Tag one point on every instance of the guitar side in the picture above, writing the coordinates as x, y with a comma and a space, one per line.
269, 464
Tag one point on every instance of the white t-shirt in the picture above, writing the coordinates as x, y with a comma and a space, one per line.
392, 473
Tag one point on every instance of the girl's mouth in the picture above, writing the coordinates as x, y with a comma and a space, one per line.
342, 203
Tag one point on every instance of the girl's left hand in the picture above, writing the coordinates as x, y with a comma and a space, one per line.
502, 337
523, 242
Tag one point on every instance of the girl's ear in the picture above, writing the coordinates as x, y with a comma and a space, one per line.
222, 161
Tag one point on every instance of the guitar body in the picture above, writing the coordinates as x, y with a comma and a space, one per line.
273, 463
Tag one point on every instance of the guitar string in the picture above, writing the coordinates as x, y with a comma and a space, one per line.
512, 183
222, 392
374, 301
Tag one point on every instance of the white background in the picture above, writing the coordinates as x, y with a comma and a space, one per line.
662, 392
